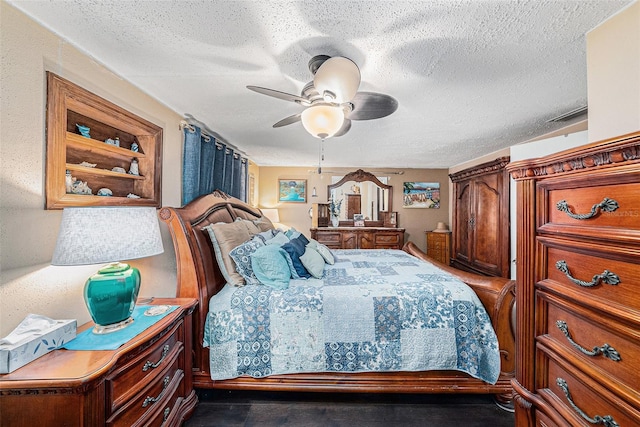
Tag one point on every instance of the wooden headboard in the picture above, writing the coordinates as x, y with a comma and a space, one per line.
198, 273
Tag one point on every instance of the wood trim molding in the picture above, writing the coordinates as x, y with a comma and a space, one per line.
621, 149
481, 169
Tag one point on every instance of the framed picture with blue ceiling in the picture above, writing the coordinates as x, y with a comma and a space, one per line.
292, 190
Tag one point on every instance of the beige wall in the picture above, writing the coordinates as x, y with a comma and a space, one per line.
28, 283
415, 221
613, 75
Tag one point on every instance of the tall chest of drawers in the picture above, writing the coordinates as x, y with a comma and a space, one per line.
578, 286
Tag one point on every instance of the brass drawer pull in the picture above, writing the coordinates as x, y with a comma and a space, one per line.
149, 400
605, 277
606, 350
149, 364
606, 421
607, 205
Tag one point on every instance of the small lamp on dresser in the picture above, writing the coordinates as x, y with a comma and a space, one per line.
98, 235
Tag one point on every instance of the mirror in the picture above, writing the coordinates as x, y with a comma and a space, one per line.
362, 192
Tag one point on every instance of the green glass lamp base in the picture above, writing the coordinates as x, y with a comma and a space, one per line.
111, 295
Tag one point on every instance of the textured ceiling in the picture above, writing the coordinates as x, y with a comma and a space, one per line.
470, 77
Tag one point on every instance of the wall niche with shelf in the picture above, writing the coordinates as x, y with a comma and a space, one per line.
90, 159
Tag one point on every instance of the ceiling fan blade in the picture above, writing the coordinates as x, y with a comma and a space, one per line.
372, 105
344, 129
288, 120
280, 95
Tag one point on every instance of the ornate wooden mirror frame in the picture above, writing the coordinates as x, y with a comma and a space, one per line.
362, 176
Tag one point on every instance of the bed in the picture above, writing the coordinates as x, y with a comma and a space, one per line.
199, 276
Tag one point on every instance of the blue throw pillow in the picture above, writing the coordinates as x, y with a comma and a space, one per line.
296, 249
270, 266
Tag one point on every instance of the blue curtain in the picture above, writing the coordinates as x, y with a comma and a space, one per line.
210, 165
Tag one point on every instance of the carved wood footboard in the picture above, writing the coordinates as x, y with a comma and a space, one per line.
200, 277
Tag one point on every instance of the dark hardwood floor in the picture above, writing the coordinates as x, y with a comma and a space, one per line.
264, 409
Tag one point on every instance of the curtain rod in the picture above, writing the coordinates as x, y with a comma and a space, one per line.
207, 135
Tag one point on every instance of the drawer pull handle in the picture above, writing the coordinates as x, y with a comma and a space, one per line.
607, 205
606, 350
607, 420
605, 277
149, 400
165, 415
149, 364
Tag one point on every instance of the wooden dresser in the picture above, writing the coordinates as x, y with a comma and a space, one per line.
359, 237
439, 246
147, 381
481, 219
578, 286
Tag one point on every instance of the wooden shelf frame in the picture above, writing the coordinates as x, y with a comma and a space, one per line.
68, 104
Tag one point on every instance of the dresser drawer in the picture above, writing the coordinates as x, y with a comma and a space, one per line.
616, 281
125, 382
387, 239
573, 393
577, 207
145, 404
609, 349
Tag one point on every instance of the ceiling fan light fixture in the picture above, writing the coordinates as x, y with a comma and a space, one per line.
339, 76
322, 121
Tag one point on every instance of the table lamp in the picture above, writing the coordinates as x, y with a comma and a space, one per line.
97, 235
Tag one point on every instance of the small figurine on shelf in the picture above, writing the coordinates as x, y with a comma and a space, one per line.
116, 142
84, 130
135, 147
105, 192
80, 187
133, 169
133, 196
109, 141
68, 182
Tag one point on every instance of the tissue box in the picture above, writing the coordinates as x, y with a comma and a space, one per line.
14, 356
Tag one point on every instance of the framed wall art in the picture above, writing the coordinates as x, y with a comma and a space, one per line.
421, 195
292, 190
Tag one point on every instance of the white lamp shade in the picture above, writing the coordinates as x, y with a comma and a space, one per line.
323, 121
339, 76
98, 235
272, 214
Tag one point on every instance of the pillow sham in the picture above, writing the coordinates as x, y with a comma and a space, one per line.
251, 226
323, 250
278, 239
313, 262
241, 256
295, 248
224, 237
263, 223
270, 266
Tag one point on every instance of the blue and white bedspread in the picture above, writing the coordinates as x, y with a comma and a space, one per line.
374, 310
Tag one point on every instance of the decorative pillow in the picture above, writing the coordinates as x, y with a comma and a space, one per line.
292, 233
251, 226
263, 223
241, 255
303, 239
326, 253
278, 239
270, 266
313, 262
225, 237
266, 235
295, 248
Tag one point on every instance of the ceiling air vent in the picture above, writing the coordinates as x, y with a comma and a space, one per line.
569, 115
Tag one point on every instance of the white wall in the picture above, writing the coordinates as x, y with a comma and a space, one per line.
529, 150
613, 77
28, 283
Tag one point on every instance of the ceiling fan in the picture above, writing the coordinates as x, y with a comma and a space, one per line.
332, 99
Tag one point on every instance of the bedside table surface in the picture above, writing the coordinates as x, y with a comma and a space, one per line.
74, 367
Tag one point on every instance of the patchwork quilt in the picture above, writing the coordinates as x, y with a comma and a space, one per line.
374, 310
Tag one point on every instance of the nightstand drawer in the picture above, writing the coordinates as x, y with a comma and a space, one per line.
127, 381
145, 403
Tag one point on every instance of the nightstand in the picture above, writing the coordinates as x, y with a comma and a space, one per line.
439, 246
146, 381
